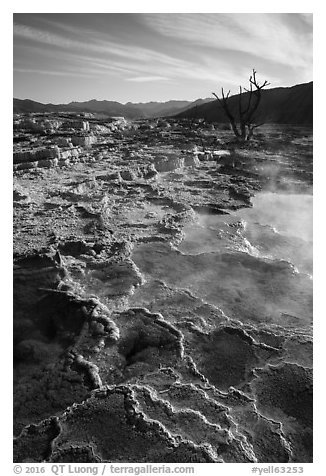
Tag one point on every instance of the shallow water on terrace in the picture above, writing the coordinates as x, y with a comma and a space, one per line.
278, 226
255, 264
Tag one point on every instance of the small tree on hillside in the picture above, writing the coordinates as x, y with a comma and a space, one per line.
247, 108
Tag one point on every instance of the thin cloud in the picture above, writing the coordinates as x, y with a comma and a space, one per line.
52, 72
41, 36
266, 35
144, 79
97, 45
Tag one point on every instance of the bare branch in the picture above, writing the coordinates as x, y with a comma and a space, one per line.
224, 104
253, 81
240, 101
217, 97
257, 125
249, 101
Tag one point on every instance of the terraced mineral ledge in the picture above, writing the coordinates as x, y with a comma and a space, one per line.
163, 296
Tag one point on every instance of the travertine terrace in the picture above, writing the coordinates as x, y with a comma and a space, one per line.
136, 339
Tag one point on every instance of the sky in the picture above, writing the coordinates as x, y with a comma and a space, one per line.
141, 57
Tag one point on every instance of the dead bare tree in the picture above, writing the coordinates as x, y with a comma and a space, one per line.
244, 130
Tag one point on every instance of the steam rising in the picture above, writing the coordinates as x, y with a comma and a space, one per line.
289, 214
277, 227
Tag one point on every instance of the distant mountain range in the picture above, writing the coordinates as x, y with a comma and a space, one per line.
111, 108
278, 105
292, 105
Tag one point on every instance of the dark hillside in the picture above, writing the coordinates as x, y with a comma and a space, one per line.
279, 105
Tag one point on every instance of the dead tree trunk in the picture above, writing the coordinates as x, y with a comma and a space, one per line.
245, 130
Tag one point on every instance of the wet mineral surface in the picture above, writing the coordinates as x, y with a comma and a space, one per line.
163, 303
